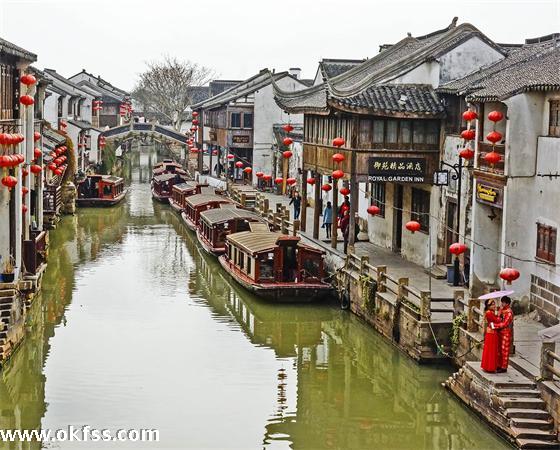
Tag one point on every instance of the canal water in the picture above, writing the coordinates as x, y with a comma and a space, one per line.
137, 328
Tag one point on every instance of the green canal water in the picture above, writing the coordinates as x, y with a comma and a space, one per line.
137, 328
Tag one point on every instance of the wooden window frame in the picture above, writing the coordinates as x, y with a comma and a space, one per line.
417, 213
554, 118
378, 196
546, 243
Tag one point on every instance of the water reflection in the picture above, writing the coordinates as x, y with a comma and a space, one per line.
137, 327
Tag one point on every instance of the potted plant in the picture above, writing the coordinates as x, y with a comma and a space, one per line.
8, 270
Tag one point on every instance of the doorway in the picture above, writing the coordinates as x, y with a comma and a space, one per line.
397, 217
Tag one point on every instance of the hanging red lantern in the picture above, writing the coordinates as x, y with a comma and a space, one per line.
28, 79
287, 141
344, 191
468, 135
494, 136
509, 274
467, 153
52, 166
326, 187
337, 174
24, 190
259, 174
279, 180
457, 248
195, 122
24, 208
287, 154
373, 210
338, 142
195, 114
230, 156
492, 158
267, 177
247, 170
9, 181
58, 171
215, 152
287, 128
37, 152
291, 181
413, 226
36, 136
239, 164
35, 169
311, 181
338, 157
469, 115
3, 161
26, 100
495, 116
24, 172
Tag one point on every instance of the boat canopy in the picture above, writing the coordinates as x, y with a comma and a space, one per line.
164, 177
219, 215
183, 187
255, 242
200, 199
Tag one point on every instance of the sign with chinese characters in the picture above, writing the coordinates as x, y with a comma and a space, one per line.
241, 139
489, 194
400, 170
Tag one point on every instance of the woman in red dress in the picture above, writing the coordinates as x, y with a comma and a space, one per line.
489, 361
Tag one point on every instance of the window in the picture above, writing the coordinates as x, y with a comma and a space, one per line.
432, 133
546, 243
364, 137
249, 263
378, 197
392, 126
418, 136
378, 131
235, 120
554, 120
248, 120
421, 208
405, 132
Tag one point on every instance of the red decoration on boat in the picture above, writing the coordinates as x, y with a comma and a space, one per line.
287, 141
35, 169
279, 180
469, 115
326, 187
288, 128
492, 157
287, 154
36, 136
495, 116
373, 210
494, 136
509, 274
26, 100
239, 164
413, 226
311, 181
28, 79
468, 135
467, 153
259, 174
338, 157
338, 142
9, 181
457, 248
291, 181
337, 174
344, 191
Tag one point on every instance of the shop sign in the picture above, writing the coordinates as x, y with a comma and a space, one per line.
400, 170
240, 139
489, 194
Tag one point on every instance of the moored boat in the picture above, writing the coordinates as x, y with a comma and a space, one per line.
275, 266
101, 190
167, 166
163, 184
195, 204
179, 193
215, 224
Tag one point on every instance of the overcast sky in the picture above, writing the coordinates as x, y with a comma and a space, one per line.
237, 38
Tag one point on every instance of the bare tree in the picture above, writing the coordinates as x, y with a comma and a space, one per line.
166, 87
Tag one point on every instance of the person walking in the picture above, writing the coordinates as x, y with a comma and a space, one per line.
490, 352
345, 228
296, 201
327, 219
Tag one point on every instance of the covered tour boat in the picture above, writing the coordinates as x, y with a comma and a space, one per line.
163, 184
167, 166
215, 224
276, 266
180, 192
195, 204
101, 190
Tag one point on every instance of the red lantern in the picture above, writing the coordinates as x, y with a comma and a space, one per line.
494, 136
195, 122
469, 115
326, 187
467, 153
311, 181
338, 142
344, 191
215, 152
267, 177
9, 181
37, 152
247, 170
468, 135
495, 116
35, 169
26, 100
24, 208
373, 210
457, 248
492, 158
195, 114
24, 190
279, 180
28, 79
230, 156
337, 174
509, 274
287, 141
24, 172
291, 181
52, 166
58, 171
239, 164
259, 174
288, 128
413, 226
36, 136
338, 157
287, 154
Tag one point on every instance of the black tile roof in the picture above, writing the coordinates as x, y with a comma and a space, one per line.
198, 93
218, 86
13, 50
333, 67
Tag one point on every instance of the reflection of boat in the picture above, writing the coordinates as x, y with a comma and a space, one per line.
180, 192
163, 184
101, 190
275, 266
195, 204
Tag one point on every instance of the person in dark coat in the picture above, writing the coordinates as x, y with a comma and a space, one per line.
296, 201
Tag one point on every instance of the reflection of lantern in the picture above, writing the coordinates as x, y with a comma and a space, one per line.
413, 226
338, 142
494, 136
373, 210
291, 181
509, 274
326, 187
287, 154
239, 164
344, 191
495, 116
338, 157
467, 153
457, 248
492, 158
468, 135
337, 174
311, 181
469, 115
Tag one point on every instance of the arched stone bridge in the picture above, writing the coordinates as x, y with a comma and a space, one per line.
149, 129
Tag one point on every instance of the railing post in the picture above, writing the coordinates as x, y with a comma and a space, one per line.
363, 261
547, 360
284, 223
275, 217
401, 289
425, 305
472, 326
296, 227
458, 299
243, 199
265, 206
381, 271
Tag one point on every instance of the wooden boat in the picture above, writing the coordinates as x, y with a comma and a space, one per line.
275, 266
167, 166
215, 224
101, 190
195, 204
179, 193
163, 184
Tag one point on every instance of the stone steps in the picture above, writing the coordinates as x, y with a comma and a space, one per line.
538, 424
518, 393
526, 413
536, 443
533, 433
522, 403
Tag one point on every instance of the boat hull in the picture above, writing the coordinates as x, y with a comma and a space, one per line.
280, 292
101, 202
188, 222
207, 247
176, 207
159, 197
